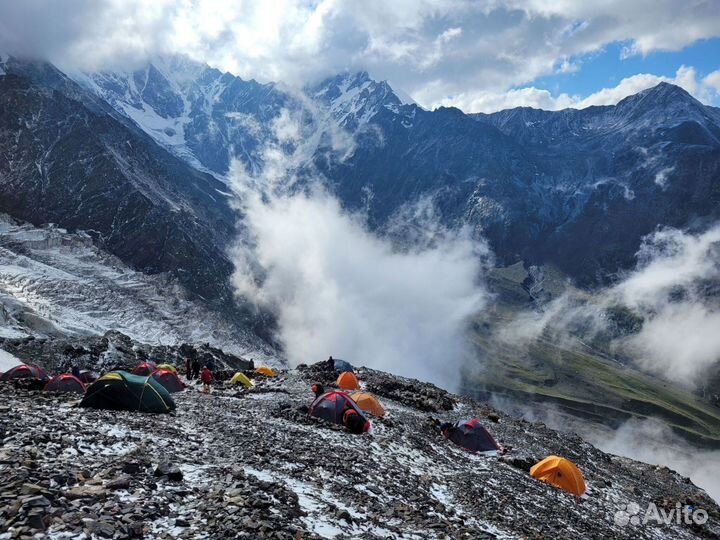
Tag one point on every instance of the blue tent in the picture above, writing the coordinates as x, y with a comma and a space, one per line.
342, 365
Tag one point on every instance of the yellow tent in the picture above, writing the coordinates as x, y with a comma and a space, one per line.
168, 366
369, 403
561, 473
241, 378
267, 371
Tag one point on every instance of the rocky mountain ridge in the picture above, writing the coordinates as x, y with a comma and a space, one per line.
536, 184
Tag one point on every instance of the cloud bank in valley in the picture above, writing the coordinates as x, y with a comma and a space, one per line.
675, 289
339, 289
674, 292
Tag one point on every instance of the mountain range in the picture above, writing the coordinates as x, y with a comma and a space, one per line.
543, 187
139, 160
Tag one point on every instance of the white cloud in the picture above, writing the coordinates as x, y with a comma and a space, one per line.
670, 290
706, 89
337, 288
439, 51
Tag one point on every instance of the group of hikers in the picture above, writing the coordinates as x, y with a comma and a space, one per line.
194, 371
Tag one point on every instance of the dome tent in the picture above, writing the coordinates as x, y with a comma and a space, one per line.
348, 381
472, 436
168, 367
368, 403
169, 380
342, 365
24, 371
65, 383
332, 405
267, 371
241, 378
144, 369
560, 473
119, 390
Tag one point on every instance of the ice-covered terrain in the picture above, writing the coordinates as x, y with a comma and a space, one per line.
56, 283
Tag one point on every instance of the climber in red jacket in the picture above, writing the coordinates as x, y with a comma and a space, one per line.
206, 377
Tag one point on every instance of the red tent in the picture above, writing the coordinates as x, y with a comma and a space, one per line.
169, 380
65, 383
472, 436
145, 369
331, 406
24, 371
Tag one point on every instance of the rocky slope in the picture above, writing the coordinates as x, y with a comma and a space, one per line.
115, 350
252, 464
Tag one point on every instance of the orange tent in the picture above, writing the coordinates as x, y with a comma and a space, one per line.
348, 381
264, 370
369, 403
561, 473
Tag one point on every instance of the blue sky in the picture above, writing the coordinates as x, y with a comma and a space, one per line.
606, 68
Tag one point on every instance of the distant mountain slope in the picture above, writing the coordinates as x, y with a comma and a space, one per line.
573, 375
619, 172
66, 159
199, 113
575, 188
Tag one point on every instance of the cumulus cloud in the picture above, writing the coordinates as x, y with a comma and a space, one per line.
672, 288
439, 51
338, 288
706, 89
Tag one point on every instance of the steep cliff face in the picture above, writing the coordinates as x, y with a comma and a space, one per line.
199, 113
69, 161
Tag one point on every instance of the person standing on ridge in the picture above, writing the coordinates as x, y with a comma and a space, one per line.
195, 369
206, 377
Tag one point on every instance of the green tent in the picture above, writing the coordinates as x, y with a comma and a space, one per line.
119, 390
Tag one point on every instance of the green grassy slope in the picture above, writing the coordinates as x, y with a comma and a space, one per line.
580, 380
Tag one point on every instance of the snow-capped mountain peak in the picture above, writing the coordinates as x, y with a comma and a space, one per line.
353, 99
199, 113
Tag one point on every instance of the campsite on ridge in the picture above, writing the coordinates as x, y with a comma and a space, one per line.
257, 462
